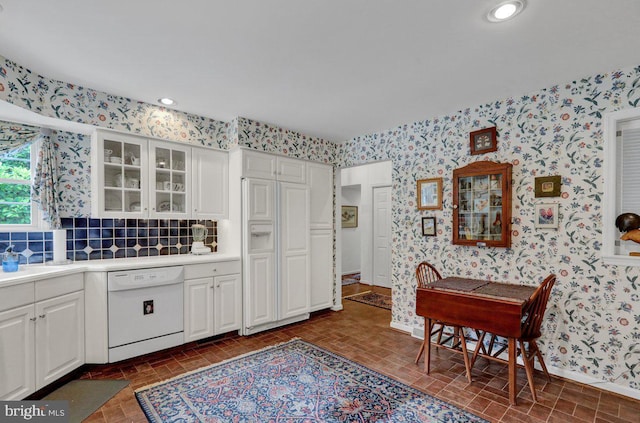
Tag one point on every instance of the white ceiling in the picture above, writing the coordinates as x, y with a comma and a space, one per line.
329, 68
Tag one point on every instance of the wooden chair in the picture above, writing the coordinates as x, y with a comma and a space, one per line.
531, 324
425, 274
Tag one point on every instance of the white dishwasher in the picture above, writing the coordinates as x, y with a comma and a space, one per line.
145, 311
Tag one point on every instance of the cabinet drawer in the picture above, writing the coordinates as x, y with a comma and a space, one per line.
60, 285
194, 271
16, 295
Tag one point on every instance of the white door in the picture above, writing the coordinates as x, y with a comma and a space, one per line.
198, 309
59, 337
382, 236
294, 250
260, 289
259, 199
17, 363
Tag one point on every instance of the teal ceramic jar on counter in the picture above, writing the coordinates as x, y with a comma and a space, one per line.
10, 260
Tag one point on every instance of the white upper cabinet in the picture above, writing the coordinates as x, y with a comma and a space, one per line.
120, 181
320, 180
267, 166
210, 181
169, 180
140, 178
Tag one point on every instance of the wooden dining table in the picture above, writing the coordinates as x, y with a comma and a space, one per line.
488, 306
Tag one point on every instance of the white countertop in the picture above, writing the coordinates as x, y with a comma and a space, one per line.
34, 272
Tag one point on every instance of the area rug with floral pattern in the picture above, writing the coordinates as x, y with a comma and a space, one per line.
292, 382
372, 298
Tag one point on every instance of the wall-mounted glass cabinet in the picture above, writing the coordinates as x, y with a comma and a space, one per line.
482, 204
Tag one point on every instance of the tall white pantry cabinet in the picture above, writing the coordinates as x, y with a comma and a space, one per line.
287, 237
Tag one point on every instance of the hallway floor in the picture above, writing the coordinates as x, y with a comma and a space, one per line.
361, 333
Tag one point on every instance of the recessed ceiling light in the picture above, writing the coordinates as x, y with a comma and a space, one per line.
166, 101
506, 10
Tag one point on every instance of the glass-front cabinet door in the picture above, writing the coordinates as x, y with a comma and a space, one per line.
170, 179
121, 176
482, 204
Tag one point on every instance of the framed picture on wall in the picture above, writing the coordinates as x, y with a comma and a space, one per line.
429, 226
483, 141
430, 194
547, 186
349, 216
546, 216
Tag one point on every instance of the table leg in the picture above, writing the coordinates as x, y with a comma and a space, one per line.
512, 371
427, 344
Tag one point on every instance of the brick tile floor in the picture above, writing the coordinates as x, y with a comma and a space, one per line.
361, 333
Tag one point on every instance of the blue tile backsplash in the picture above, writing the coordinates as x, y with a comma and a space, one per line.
97, 239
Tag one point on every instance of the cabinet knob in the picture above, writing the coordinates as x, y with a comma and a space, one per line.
42, 316
215, 270
455, 206
33, 319
195, 210
218, 286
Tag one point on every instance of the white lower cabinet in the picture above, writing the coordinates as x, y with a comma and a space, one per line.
321, 269
213, 299
59, 337
17, 366
40, 341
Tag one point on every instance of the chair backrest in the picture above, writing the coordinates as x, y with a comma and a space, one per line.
535, 308
426, 273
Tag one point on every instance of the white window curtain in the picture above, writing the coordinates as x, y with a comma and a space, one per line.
14, 136
44, 190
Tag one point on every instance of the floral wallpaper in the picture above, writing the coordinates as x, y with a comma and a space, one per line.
593, 319
56, 99
592, 324
272, 139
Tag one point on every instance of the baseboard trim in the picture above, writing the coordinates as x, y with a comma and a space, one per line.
556, 371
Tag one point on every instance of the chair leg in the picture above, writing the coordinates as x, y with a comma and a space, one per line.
420, 352
427, 336
463, 344
541, 360
528, 366
475, 353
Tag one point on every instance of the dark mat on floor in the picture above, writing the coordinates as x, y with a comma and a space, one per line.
85, 396
372, 298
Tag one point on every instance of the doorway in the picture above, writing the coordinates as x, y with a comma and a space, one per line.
360, 246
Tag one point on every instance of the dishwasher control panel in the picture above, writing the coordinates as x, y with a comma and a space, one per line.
142, 278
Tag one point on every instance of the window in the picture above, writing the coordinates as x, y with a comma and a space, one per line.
621, 188
16, 210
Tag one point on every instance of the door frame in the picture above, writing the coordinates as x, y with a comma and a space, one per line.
373, 228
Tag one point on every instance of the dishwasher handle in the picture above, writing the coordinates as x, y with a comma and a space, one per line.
144, 278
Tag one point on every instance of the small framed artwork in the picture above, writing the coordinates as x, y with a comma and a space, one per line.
546, 215
430, 194
548, 186
483, 141
429, 226
349, 216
